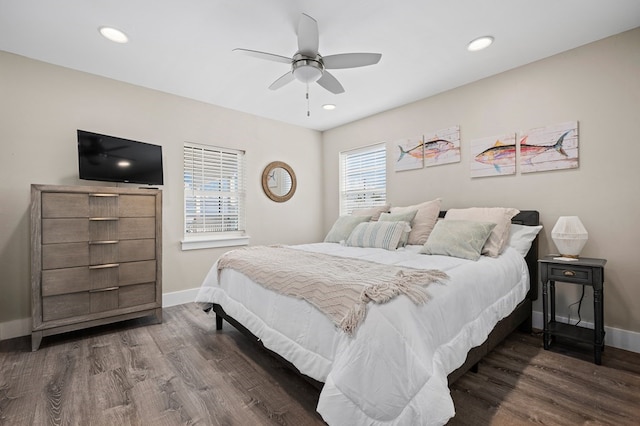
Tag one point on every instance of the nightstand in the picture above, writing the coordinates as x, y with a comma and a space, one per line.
584, 271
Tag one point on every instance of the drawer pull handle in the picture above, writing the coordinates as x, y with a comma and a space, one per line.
103, 195
103, 289
103, 242
106, 265
96, 219
569, 273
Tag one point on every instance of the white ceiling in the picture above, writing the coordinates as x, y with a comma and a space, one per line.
185, 47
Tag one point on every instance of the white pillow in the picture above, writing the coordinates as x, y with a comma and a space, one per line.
343, 226
380, 234
458, 238
424, 220
522, 237
400, 217
499, 237
374, 212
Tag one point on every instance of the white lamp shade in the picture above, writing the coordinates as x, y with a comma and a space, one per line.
307, 73
569, 235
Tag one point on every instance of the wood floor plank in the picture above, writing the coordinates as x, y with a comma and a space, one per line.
183, 371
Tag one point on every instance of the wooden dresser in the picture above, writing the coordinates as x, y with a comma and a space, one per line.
96, 257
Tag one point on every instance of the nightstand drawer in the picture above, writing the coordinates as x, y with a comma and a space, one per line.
569, 273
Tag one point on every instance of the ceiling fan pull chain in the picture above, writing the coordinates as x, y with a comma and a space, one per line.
308, 113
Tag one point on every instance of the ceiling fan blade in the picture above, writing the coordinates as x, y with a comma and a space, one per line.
307, 35
350, 60
264, 55
329, 82
285, 79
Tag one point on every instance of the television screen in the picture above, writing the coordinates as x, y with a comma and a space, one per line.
112, 159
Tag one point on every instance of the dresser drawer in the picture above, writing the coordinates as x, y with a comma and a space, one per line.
103, 229
103, 205
65, 306
136, 228
574, 274
103, 252
104, 276
137, 206
69, 280
138, 294
55, 231
59, 205
132, 250
137, 272
56, 256
103, 300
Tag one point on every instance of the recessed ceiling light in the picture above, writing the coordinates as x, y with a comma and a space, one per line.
329, 107
113, 34
480, 43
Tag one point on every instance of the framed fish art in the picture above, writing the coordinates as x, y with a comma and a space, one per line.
493, 156
552, 147
409, 153
442, 147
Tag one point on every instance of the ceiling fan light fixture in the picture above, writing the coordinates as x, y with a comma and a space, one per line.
480, 43
113, 34
306, 69
307, 73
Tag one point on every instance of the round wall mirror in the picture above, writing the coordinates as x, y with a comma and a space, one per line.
279, 181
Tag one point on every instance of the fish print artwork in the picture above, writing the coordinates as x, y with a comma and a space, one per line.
442, 147
409, 153
493, 156
552, 147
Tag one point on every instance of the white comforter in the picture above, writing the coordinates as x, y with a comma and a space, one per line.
393, 371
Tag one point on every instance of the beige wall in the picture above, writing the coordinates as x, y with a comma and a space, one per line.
42, 105
598, 85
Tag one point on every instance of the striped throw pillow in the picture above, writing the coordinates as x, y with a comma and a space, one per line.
386, 235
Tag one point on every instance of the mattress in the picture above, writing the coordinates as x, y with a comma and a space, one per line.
393, 370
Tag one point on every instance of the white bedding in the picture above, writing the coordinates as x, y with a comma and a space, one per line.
393, 371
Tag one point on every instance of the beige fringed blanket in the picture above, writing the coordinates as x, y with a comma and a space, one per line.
339, 287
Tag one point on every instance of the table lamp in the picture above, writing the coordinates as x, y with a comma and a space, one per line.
570, 236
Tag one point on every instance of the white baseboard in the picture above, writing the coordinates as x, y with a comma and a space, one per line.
616, 337
179, 297
15, 328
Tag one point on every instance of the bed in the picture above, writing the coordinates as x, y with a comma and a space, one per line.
396, 367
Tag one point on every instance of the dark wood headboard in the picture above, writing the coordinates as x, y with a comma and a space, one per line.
529, 218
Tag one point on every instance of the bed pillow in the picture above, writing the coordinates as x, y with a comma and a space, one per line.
458, 238
343, 226
379, 234
521, 237
374, 212
424, 220
400, 217
499, 238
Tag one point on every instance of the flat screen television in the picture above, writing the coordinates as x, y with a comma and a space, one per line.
112, 159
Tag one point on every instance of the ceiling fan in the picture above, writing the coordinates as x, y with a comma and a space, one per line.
308, 66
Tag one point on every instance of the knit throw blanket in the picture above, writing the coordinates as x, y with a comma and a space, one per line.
339, 287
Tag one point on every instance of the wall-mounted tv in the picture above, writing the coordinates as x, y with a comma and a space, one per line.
113, 159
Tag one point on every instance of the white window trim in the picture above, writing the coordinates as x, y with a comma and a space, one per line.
212, 239
341, 170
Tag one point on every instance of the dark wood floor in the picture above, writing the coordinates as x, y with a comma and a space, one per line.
184, 372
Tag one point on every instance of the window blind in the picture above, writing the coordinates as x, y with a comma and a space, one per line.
363, 178
214, 190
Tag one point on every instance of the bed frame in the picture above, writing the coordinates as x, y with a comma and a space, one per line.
520, 318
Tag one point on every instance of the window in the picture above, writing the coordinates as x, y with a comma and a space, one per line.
214, 197
363, 178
